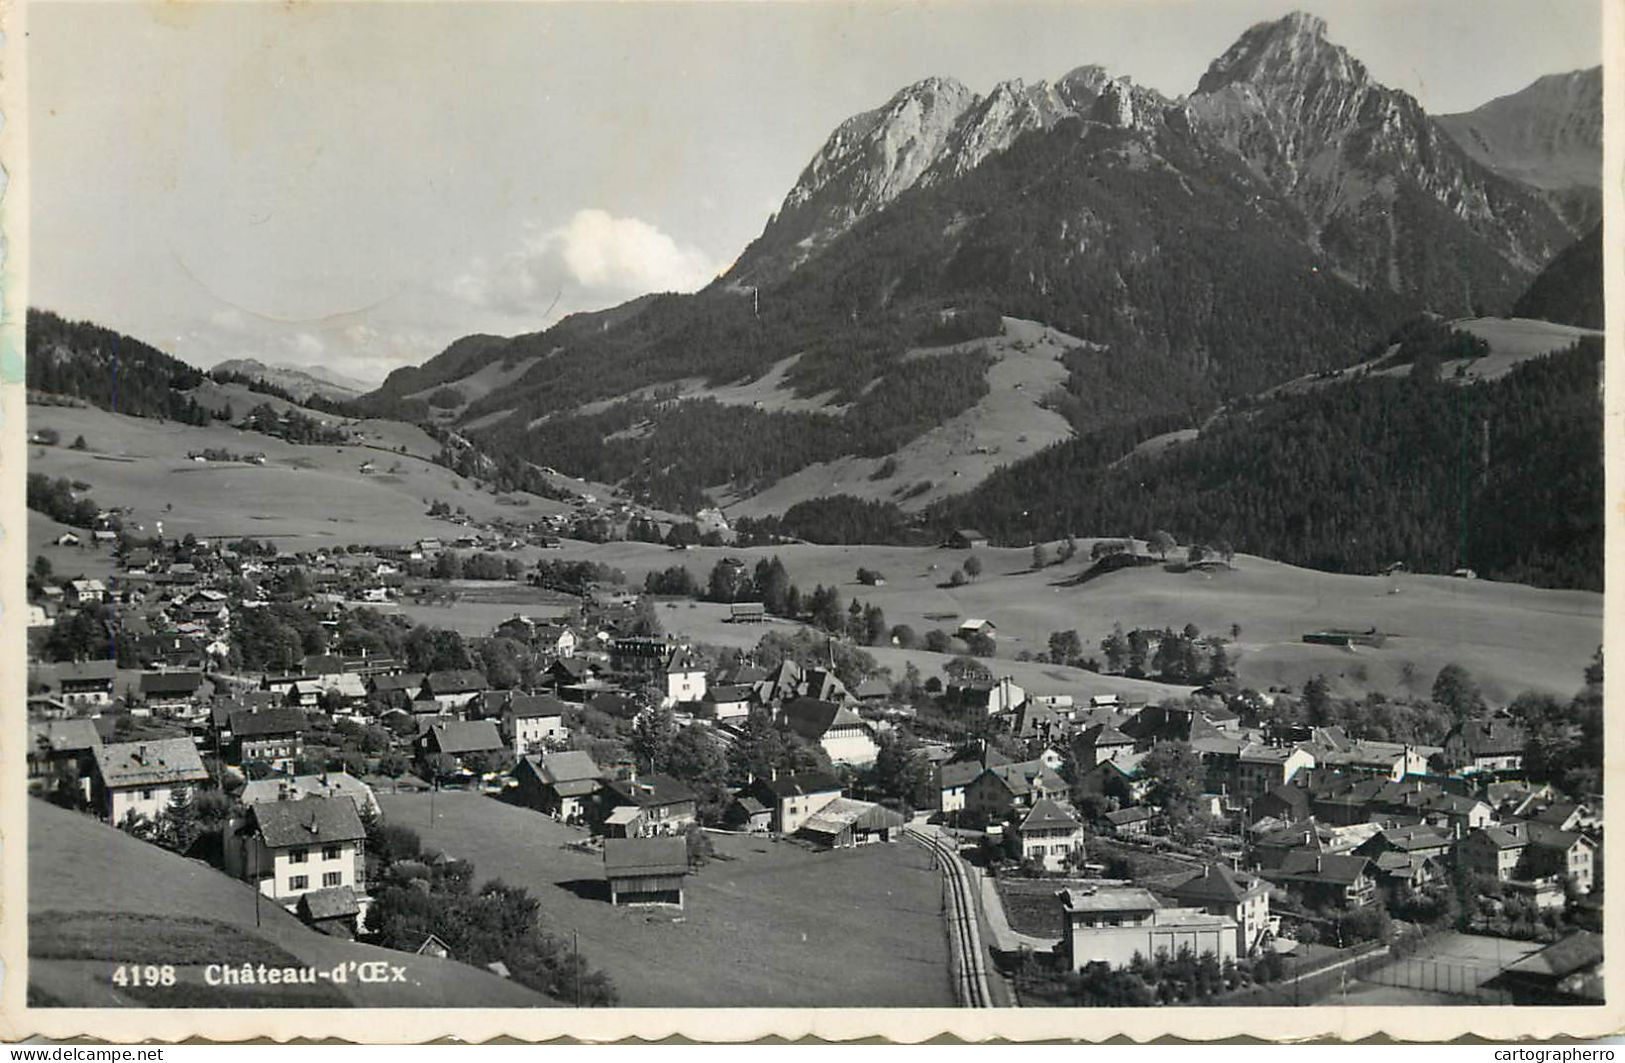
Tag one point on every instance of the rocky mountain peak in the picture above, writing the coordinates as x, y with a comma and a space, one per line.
1291, 51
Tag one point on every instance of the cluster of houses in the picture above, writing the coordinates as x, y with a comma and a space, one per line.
1333, 822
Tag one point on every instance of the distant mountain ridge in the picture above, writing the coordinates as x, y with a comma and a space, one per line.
1278, 221
299, 381
1547, 135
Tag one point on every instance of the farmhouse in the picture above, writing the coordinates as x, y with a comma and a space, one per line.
454, 689
974, 626
291, 848
62, 751
651, 805
171, 691
967, 539
559, 783
645, 870
1338, 880
791, 799
844, 823
1485, 745
747, 613
458, 739
86, 683
999, 791
845, 735
273, 735
1260, 769
86, 592
140, 777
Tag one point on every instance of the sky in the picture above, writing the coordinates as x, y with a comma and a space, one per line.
354, 186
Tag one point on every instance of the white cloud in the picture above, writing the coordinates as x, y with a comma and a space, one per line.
595, 250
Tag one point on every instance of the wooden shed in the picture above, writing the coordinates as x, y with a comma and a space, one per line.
645, 870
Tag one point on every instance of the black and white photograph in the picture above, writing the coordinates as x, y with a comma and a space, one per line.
1076, 507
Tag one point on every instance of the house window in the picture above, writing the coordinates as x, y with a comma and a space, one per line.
332, 878
330, 852
146, 795
298, 856
299, 882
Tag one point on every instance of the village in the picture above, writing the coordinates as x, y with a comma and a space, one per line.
280, 717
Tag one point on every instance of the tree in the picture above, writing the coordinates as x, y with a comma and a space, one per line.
900, 772
652, 736
981, 644
1065, 646
1115, 648
79, 443
1317, 701
1162, 542
1041, 556
905, 637
1455, 691
393, 765
938, 641
759, 749
973, 566
956, 578
695, 757
1177, 779
963, 669
874, 626
177, 826
698, 844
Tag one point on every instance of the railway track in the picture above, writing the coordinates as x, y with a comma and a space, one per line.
964, 933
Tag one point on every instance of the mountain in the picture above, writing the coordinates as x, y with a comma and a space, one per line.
1548, 135
300, 382
1389, 200
1570, 289
109, 369
1278, 221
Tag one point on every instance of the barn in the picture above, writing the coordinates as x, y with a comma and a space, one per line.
645, 870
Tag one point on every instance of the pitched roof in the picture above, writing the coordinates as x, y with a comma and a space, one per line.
388, 684
1104, 734
335, 902
164, 760
313, 821
1132, 814
245, 724
82, 671
571, 765
639, 857
810, 718
1341, 868
1047, 815
529, 705
459, 681
1216, 884
1578, 951
465, 736
843, 813
801, 783
171, 682
653, 789
1487, 738
64, 736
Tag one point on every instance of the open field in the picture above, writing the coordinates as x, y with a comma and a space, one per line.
78, 865
67, 562
773, 925
1511, 637
1007, 424
303, 497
